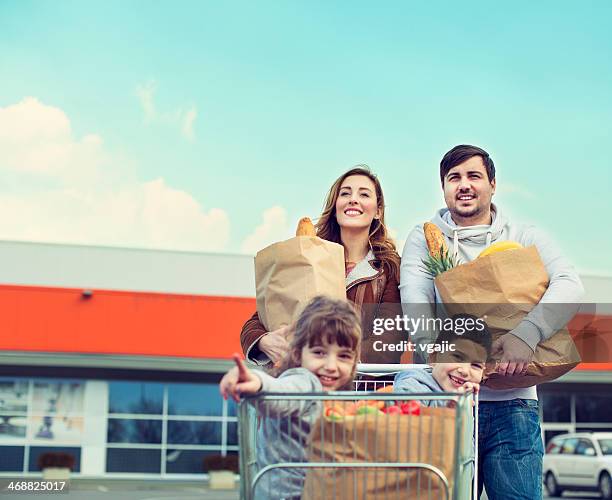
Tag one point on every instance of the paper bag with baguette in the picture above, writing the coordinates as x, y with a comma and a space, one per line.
290, 273
502, 287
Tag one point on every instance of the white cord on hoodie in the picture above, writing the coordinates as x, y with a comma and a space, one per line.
456, 242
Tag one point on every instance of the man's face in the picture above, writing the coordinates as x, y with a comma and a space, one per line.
468, 192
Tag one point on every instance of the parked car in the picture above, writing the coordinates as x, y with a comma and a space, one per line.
581, 461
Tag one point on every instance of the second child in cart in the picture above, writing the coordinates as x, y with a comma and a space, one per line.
322, 356
459, 369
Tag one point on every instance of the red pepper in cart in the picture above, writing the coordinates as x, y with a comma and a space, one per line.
411, 408
394, 409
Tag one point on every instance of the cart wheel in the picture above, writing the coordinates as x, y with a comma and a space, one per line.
552, 488
605, 486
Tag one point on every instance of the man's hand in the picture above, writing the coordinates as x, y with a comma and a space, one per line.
274, 344
515, 355
239, 380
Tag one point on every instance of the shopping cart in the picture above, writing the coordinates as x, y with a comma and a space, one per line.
396, 478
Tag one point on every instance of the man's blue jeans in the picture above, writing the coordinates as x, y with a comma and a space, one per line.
510, 449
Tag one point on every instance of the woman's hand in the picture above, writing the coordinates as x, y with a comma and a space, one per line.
274, 344
239, 380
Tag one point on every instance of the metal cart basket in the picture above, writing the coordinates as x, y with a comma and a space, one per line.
373, 455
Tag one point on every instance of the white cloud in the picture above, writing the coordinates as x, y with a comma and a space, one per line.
178, 118
273, 228
61, 189
38, 139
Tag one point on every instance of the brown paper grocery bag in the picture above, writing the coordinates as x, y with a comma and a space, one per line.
428, 438
502, 288
290, 273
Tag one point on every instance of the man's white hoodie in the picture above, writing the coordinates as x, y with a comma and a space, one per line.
565, 287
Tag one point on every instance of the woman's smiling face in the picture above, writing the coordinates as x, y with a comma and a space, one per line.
356, 205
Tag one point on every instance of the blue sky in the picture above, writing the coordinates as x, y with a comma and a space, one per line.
215, 126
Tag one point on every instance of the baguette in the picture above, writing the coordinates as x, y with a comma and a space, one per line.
305, 228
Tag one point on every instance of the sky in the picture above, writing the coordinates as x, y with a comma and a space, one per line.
215, 126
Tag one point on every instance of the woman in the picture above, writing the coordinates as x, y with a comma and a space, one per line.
354, 216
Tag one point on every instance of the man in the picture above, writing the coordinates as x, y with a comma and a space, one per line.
510, 444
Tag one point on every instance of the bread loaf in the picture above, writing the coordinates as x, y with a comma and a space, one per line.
305, 228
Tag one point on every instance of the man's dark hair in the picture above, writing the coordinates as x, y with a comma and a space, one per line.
468, 327
464, 152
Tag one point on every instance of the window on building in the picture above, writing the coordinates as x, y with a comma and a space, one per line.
232, 408
11, 458
556, 406
186, 423
125, 430
14, 396
135, 397
133, 460
593, 407
12, 427
189, 432
187, 461
194, 399
232, 433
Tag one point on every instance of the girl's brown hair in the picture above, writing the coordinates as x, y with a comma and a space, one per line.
380, 242
324, 320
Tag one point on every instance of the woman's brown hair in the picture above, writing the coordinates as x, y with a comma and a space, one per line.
324, 321
380, 242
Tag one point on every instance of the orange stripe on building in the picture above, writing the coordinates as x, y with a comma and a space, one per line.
45, 319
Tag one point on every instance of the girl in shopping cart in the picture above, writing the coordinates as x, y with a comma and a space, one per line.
322, 356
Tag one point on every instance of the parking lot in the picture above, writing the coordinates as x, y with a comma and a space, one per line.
168, 490
132, 490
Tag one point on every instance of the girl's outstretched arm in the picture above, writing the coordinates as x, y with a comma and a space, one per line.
239, 380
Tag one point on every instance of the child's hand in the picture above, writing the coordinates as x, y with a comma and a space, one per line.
239, 380
467, 386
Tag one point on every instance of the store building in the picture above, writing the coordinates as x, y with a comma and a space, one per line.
114, 355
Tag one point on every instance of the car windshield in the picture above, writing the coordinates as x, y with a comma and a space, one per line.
606, 446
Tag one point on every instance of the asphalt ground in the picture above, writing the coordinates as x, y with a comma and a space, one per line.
106, 489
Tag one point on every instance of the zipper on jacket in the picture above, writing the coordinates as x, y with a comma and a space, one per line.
362, 280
